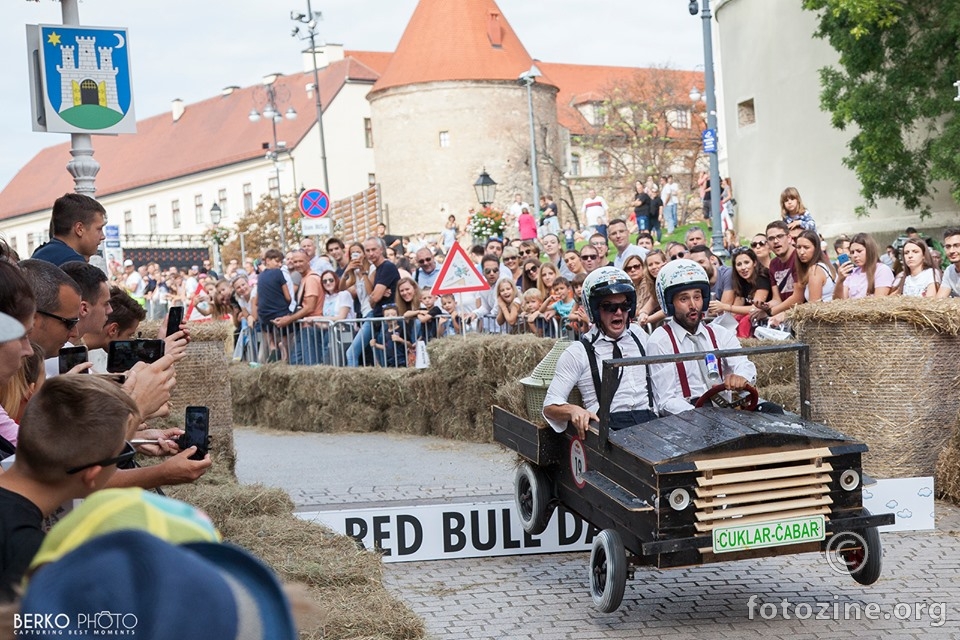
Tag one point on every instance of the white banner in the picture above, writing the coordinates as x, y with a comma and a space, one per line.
446, 531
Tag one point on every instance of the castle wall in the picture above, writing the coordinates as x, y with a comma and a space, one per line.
488, 127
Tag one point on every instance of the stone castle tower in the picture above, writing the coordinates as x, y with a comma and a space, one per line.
448, 106
85, 81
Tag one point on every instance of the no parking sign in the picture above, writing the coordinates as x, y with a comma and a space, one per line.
314, 205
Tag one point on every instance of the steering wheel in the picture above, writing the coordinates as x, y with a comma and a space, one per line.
746, 399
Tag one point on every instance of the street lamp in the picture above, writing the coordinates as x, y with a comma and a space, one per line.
715, 187
215, 216
486, 189
268, 96
527, 78
310, 20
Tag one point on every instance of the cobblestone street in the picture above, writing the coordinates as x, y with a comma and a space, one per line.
546, 596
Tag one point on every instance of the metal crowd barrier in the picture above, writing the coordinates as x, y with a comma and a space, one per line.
371, 341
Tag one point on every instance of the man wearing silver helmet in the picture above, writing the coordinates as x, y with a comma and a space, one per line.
683, 290
610, 301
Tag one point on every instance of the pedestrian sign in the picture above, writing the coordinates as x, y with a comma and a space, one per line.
458, 274
314, 203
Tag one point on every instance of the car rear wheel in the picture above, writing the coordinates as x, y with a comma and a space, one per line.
531, 492
608, 571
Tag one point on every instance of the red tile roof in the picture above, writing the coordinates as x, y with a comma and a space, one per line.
162, 149
580, 83
456, 40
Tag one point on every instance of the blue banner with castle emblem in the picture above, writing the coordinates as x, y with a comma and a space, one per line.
83, 77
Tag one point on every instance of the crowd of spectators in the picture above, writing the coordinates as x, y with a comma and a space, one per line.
66, 434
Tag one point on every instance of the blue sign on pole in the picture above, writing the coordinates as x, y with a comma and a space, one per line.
709, 140
314, 203
112, 231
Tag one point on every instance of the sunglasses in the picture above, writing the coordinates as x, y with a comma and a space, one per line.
510, 258
678, 255
532, 271
69, 323
125, 456
633, 267
757, 245
589, 257
528, 252
327, 281
613, 307
425, 261
497, 270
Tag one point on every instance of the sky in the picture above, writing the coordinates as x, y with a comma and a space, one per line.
191, 49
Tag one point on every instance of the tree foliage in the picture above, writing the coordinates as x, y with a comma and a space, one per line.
894, 88
647, 126
261, 228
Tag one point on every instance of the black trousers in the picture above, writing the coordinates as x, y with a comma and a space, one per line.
624, 419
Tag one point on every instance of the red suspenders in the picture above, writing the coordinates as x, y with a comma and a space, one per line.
681, 370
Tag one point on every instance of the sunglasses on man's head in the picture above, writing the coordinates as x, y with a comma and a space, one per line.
613, 307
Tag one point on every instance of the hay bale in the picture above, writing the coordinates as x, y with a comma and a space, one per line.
223, 502
205, 362
786, 395
772, 368
511, 396
882, 371
947, 474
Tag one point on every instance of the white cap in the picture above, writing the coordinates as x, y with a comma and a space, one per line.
128, 263
10, 328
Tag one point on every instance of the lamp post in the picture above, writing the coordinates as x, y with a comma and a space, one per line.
310, 20
268, 97
527, 78
710, 89
215, 215
486, 189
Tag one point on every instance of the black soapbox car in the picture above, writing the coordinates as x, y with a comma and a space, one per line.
707, 485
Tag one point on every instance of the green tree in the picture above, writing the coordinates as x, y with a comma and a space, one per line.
261, 228
893, 88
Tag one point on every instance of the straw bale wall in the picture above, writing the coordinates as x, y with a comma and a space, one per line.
202, 380
884, 371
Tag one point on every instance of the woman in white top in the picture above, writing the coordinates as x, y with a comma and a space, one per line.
357, 278
864, 275
816, 278
920, 277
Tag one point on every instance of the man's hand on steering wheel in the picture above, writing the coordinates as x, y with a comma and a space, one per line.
746, 397
733, 382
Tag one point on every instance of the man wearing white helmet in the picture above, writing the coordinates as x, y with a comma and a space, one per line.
610, 301
683, 290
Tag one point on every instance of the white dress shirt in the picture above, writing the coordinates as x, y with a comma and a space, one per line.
629, 250
573, 369
667, 391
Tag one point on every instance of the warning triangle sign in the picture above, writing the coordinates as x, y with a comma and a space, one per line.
458, 274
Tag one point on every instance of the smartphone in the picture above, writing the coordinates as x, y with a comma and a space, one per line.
842, 259
196, 431
355, 255
118, 378
70, 357
174, 320
124, 354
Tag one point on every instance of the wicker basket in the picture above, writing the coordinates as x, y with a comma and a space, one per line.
887, 380
536, 385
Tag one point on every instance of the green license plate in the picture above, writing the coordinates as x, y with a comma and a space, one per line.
768, 534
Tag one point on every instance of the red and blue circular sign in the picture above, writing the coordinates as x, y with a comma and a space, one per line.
314, 203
